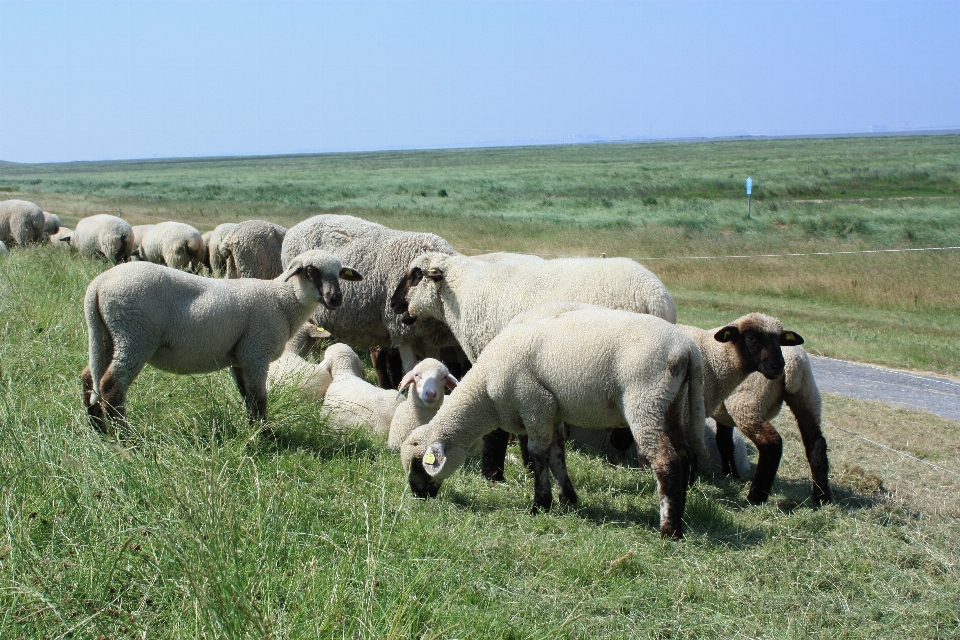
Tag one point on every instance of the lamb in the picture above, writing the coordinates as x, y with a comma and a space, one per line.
598, 368
51, 223
252, 250
426, 381
350, 399
21, 222
755, 403
62, 238
141, 313
104, 235
214, 258
366, 320
139, 231
173, 244
292, 370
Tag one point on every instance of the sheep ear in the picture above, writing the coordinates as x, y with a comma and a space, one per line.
434, 459
350, 274
295, 269
790, 339
318, 333
727, 334
407, 380
451, 382
433, 273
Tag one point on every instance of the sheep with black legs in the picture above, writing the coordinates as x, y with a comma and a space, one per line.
597, 368
141, 313
21, 222
104, 235
351, 400
427, 382
755, 403
174, 244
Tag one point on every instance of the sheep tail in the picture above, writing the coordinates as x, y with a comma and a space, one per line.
99, 339
694, 426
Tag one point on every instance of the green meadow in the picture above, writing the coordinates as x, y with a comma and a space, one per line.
192, 526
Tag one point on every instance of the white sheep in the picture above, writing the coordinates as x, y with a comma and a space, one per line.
476, 299
291, 369
598, 368
21, 222
139, 231
104, 235
427, 381
214, 257
366, 321
756, 402
174, 244
141, 313
252, 250
350, 399
62, 238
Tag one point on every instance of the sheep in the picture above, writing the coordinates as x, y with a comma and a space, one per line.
477, 298
738, 460
21, 222
351, 400
599, 368
139, 231
173, 244
292, 370
141, 313
104, 235
214, 258
62, 238
51, 223
755, 403
252, 250
366, 321
426, 381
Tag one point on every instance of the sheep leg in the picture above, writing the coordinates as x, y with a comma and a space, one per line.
816, 447
254, 399
97, 417
725, 447
378, 356
542, 491
558, 465
769, 451
494, 455
524, 443
672, 478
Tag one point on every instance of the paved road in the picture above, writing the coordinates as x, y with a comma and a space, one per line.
896, 388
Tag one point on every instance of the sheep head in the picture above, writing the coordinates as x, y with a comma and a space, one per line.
324, 271
428, 462
757, 339
418, 293
428, 378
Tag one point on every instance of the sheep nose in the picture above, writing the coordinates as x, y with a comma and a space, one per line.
430, 395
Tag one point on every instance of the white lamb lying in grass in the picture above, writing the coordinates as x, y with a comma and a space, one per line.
351, 400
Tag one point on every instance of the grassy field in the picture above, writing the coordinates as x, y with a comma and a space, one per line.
193, 527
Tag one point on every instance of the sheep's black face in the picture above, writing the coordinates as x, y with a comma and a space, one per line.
763, 351
398, 301
421, 483
329, 289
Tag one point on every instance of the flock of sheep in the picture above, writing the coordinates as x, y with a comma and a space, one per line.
582, 349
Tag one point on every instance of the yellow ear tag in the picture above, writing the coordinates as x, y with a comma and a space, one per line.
348, 273
790, 336
429, 458
432, 270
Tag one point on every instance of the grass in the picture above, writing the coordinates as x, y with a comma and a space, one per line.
193, 527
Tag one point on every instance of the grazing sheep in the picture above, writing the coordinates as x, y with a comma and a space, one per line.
139, 231
252, 250
104, 235
51, 223
426, 381
21, 222
62, 238
292, 370
366, 321
173, 244
597, 368
214, 257
351, 400
141, 313
755, 403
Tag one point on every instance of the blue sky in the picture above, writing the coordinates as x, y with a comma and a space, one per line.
108, 80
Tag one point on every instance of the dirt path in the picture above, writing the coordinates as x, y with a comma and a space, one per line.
896, 388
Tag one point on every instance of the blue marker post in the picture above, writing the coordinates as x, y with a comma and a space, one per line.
749, 189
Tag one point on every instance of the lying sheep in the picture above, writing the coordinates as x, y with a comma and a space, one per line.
214, 258
476, 298
142, 313
366, 320
252, 250
51, 223
291, 369
139, 231
597, 368
755, 403
62, 238
173, 244
351, 400
21, 222
104, 235
427, 381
